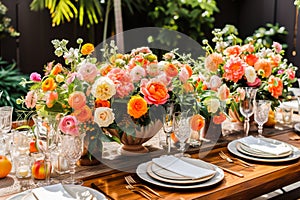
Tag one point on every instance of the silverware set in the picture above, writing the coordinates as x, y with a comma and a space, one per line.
141, 189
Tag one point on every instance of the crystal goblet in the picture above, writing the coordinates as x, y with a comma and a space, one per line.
261, 113
182, 130
168, 125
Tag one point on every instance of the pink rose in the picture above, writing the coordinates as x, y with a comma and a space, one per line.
77, 100
256, 83
155, 93
35, 77
69, 125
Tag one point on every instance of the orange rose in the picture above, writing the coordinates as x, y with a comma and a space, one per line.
212, 61
137, 107
102, 103
56, 69
218, 119
77, 100
251, 59
155, 93
171, 70
48, 85
87, 49
275, 86
83, 114
197, 122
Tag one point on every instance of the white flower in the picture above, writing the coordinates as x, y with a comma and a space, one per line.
71, 56
104, 116
215, 82
250, 74
103, 88
137, 73
212, 105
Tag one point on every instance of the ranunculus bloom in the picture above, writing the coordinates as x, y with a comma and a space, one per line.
56, 69
251, 59
277, 46
83, 114
52, 97
69, 125
250, 74
233, 50
88, 71
265, 66
215, 82
223, 92
213, 61
171, 70
189, 69
234, 69
103, 88
31, 99
101, 103
197, 122
49, 84
122, 81
153, 69
155, 93
291, 73
137, 73
87, 49
137, 106
275, 86
104, 116
183, 75
218, 119
212, 105
35, 77
77, 100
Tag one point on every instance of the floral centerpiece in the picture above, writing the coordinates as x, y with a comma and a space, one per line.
122, 98
249, 65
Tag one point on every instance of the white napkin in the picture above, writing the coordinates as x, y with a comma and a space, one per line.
181, 167
56, 191
264, 146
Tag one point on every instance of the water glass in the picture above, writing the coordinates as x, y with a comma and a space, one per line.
261, 113
287, 115
6, 118
23, 166
182, 129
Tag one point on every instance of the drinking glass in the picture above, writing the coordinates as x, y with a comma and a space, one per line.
261, 113
168, 125
6, 118
72, 152
46, 131
247, 106
181, 127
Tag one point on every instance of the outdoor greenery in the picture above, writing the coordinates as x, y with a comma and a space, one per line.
6, 29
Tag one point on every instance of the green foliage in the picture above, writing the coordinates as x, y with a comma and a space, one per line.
190, 16
10, 77
6, 28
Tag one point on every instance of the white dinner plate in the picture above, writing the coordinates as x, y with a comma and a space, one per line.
71, 189
142, 173
232, 148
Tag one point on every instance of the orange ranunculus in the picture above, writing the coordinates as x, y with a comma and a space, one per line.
77, 100
212, 61
51, 99
48, 84
105, 69
87, 49
233, 50
101, 103
189, 69
275, 86
171, 70
83, 114
218, 119
251, 59
137, 106
197, 122
56, 69
155, 93
265, 66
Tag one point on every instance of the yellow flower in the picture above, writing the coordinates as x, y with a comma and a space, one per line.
137, 106
48, 85
87, 49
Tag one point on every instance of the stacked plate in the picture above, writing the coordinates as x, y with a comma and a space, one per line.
173, 172
263, 149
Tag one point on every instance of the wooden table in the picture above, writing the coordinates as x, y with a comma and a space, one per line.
262, 179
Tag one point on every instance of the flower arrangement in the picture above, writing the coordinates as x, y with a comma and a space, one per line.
248, 65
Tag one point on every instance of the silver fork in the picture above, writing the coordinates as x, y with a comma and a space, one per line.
131, 181
228, 159
140, 191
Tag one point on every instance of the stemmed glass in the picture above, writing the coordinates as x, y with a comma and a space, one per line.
247, 106
5, 125
46, 131
72, 152
181, 127
168, 125
261, 113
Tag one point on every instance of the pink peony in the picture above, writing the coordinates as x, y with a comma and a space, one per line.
69, 125
31, 99
36, 77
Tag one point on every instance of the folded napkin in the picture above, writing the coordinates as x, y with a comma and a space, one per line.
178, 166
264, 146
56, 191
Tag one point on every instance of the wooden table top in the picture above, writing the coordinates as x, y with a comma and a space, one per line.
264, 178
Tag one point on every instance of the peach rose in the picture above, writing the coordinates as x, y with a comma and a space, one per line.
155, 93
213, 61
104, 116
83, 114
197, 122
77, 100
275, 86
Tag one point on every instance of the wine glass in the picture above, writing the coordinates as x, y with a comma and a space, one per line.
168, 125
46, 131
72, 152
261, 113
247, 106
181, 128
6, 124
